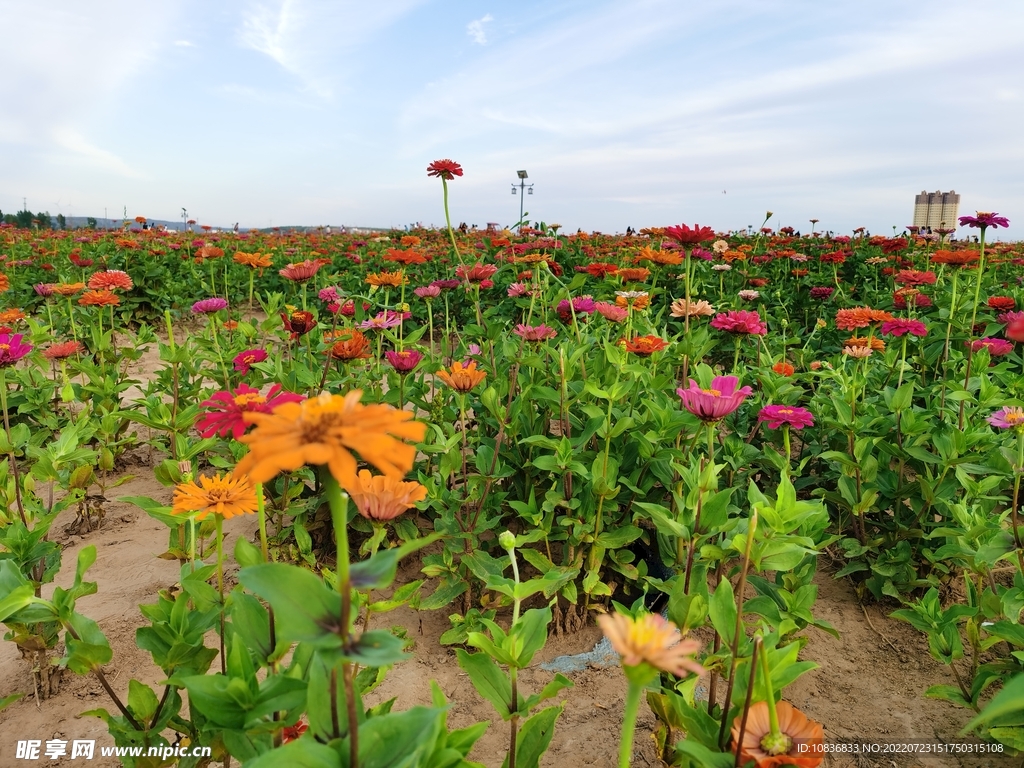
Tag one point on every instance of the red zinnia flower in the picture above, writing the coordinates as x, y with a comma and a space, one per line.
225, 411
783, 368
478, 273
1002, 303
244, 360
444, 169
914, 277
601, 268
684, 235
63, 350
299, 322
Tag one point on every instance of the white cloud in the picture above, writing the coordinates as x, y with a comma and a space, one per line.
184, 44
69, 139
475, 29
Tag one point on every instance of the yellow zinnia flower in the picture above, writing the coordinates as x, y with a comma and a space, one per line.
226, 496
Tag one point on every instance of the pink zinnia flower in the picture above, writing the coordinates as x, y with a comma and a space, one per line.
996, 347
244, 360
329, 294
12, 349
716, 403
610, 311
445, 285
776, 416
301, 271
581, 305
740, 321
478, 273
518, 289
404, 361
205, 306
535, 332
43, 289
381, 321
225, 411
427, 291
1010, 417
900, 326
981, 220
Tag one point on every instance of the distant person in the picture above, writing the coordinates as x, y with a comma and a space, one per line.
235, 228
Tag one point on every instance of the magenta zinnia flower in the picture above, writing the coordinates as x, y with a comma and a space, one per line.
581, 305
900, 326
225, 411
996, 347
12, 349
535, 332
716, 403
445, 285
821, 292
244, 360
1010, 417
740, 321
981, 220
205, 306
776, 416
404, 361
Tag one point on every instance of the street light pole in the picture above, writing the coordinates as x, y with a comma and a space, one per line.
524, 189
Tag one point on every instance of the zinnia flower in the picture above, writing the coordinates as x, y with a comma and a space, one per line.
859, 317
684, 235
444, 169
300, 272
633, 274
378, 497
244, 360
777, 415
984, 219
225, 411
783, 368
900, 326
871, 342
404, 257
427, 291
800, 742
63, 350
955, 258
325, 430
102, 298
478, 273
644, 346
461, 378
387, 279
350, 345
382, 320
111, 280
581, 305
635, 300
206, 306
996, 347
612, 312
665, 258
11, 315
404, 361
858, 353
299, 322
1010, 417
226, 496
1002, 303
12, 349
68, 289
650, 639
42, 289
716, 403
253, 260
914, 277
740, 321
749, 295
535, 333
684, 308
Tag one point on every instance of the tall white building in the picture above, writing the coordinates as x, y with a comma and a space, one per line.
936, 209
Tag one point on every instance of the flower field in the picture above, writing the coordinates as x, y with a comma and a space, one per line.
521, 441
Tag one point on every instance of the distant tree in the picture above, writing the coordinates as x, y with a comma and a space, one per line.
45, 222
24, 219
61, 221
90, 222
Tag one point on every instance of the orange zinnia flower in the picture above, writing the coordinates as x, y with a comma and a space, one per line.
325, 430
209, 252
104, 298
730, 256
800, 744
651, 639
387, 279
384, 498
253, 260
405, 257
461, 378
699, 308
871, 342
5, 283
111, 280
226, 496
955, 258
633, 302
665, 258
633, 274
11, 316
409, 240
350, 345
644, 346
68, 289
859, 317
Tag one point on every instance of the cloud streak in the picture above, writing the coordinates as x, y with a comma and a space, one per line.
475, 29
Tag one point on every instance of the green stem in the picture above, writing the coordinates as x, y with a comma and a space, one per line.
220, 587
773, 715
10, 456
977, 284
629, 723
448, 221
261, 512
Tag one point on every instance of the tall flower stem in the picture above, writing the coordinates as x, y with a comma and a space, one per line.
775, 734
220, 589
338, 502
746, 704
465, 450
11, 460
977, 283
1014, 517
448, 221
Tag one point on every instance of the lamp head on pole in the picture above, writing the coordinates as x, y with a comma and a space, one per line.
521, 174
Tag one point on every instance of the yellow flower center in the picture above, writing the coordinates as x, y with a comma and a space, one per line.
5, 347
785, 411
251, 397
712, 392
1011, 416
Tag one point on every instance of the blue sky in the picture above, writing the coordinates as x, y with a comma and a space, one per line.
627, 112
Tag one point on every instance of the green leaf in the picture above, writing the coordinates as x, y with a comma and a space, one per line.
1009, 701
306, 610
531, 632
398, 740
302, 753
722, 610
534, 737
488, 679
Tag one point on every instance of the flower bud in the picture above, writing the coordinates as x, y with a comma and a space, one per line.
507, 540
